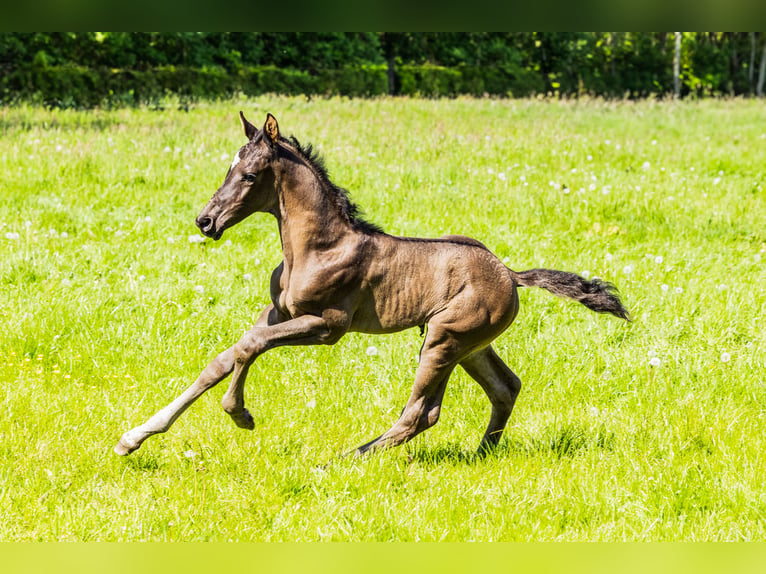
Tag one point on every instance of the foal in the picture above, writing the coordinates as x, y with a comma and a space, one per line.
340, 273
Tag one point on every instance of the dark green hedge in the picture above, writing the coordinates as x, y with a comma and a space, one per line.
80, 87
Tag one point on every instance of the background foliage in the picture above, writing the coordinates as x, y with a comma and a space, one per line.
119, 68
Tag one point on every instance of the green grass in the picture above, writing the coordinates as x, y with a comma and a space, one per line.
102, 326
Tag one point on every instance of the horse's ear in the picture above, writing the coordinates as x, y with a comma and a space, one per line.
271, 129
250, 129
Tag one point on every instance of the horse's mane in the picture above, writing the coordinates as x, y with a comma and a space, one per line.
347, 208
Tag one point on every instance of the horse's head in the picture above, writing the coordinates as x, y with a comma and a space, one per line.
249, 184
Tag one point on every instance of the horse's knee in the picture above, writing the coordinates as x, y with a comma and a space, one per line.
247, 348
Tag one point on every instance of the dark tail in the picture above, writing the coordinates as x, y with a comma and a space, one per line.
596, 295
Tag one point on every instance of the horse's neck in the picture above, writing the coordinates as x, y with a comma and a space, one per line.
308, 218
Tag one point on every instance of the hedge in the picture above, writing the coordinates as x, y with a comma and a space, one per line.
81, 87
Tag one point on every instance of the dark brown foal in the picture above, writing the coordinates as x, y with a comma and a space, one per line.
340, 273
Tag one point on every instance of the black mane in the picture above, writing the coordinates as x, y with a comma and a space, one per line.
348, 208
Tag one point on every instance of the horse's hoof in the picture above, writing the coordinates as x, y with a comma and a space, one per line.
123, 448
244, 420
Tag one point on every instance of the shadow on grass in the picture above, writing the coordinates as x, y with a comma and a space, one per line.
560, 442
142, 462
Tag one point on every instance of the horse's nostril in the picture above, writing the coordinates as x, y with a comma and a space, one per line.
204, 223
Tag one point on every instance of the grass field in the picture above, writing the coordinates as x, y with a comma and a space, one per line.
646, 431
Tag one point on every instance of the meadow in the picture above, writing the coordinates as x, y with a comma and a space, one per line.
111, 303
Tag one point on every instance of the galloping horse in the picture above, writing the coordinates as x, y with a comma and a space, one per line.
340, 273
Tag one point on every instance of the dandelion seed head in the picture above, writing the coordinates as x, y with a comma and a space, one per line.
655, 362
199, 289
725, 357
664, 287
247, 277
196, 238
679, 290
371, 351
659, 259
628, 269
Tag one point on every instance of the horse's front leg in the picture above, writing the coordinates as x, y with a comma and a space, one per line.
268, 333
233, 401
214, 373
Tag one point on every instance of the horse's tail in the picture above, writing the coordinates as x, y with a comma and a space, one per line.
596, 295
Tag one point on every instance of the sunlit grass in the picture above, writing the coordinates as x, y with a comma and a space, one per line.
110, 307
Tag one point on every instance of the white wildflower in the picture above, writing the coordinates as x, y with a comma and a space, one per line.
247, 277
190, 454
371, 351
725, 357
167, 149
196, 238
311, 404
628, 269
199, 289
655, 362
664, 287
646, 165
12, 235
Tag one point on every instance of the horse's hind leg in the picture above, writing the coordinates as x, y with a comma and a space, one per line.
502, 387
438, 358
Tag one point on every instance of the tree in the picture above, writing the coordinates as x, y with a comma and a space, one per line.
677, 67
762, 72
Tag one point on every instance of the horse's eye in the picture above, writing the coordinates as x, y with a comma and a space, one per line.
249, 177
